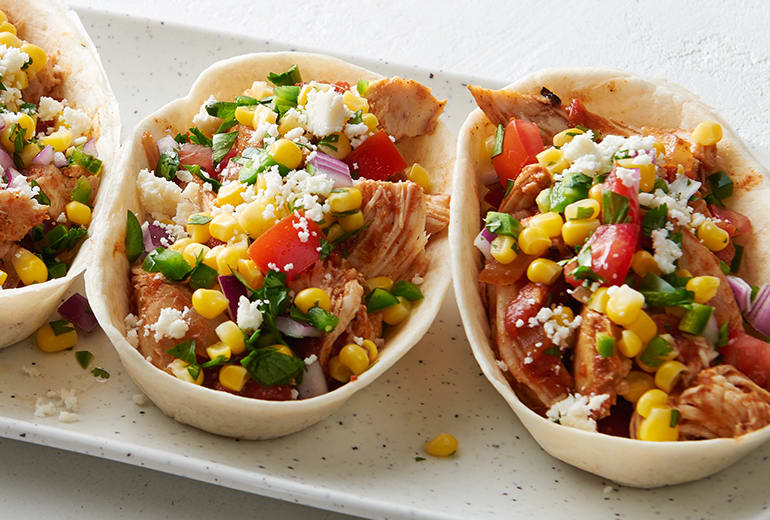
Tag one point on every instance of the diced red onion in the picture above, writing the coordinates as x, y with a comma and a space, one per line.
153, 236
233, 289
45, 157
90, 147
167, 143
60, 160
296, 329
5, 160
333, 168
77, 310
483, 242
742, 292
313, 382
759, 315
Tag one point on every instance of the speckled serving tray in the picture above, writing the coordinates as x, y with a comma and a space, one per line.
363, 460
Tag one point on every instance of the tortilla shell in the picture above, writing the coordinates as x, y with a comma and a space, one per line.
108, 282
58, 30
623, 97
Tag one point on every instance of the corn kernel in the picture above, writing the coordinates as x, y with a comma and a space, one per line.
668, 374
251, 273
180, 244
245, 114
488, 146
233, 377
289, 121
657, 427
210, 257
231, 193
252, 219
550, 222
308, 298
371, 350
20, 79
227, 259
3, 277
338, 149
649, 400
563, 315
565, 136
644, 327
218, 349
575, 232
533, 241
395, 314
582, 209
232, 336
48, 341
8, 27
326, 221
643, 262
345, 199
355, 358
8, 38
38, 57
502, 249
542, 270
552, 159
199, 232
29, 152
179, 369
26, 122
192, 251
209, 303
3, 17
419, 175
29, 267
646, 173
352, 222
379, 282
624, 305
704, 287
596, 192
282, 349
713, 236
371, 122
259, 90
335, 232
224, 227
637, 383
338, 371
355, 102
707, 133
286, 153
630, 344
60, 140
442, 445
598, 300
660, 150
262, 114
78, 213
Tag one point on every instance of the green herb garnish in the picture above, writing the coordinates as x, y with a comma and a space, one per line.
60, 327
84, 358
82, 191
134, 240
290, 77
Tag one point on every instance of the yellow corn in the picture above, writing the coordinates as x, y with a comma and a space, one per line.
352, 222
78, 213
683, 273
657, 427
704, 287
192, 251
370, 120
598, 300
252, 219
533, 241
338, 371
29, 152
355, 102
38, 57
542, 270
668, 374
308, 298
250, 272
582, 209
26, 122
228, 258
48, 341
199, 232
3, 17
644, 327
230, 334
713, 236
340, 149
345, 199
596, 193
335, 232
563, 315
637, 383
60, 140
624, 305
30, 268
646, 172
289, 122
218, 349
245, 114
262, 114
575, 232
224, 227
649, 400
565, 136
3, 277
20, 80
419, 175
707, 133
442, 445
660, 150
233, 377
259, 90
552, 159
326, 221
9, 38
643, 262
8, 27
209, 303
395, 314
550, 222
180, 244
379, 282
286, 152
231, 193
283, 349
179, 370
502, 249
210, 257
355, 358
630, 344
371, 350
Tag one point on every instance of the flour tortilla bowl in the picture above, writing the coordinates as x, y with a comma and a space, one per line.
640, 102
58, 30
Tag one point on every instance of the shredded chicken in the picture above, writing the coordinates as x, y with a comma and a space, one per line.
46, 81
58, 186
18, 214
437, 216
722, 403
677, 152
528, 184
694, 351
404, 107
151, 152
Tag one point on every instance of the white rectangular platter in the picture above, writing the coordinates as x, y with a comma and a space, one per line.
362, 460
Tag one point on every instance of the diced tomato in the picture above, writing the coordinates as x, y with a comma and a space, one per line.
734, 223
749, 355
199, 154
521, 143
614, 183
377, 158
576, 112
612, 248
282, 246
225, 160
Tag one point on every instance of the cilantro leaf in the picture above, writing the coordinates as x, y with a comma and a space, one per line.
268, 367
100, 373
199, 137
168, 164
184, 351
655, 218
196, 170
168, 262
60, 327
658, 292
82, 191
499, 136
290, 77
222, 143
321, 319
656, 351
84, 358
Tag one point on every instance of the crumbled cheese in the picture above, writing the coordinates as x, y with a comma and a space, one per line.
48, 108
10, 98
519, 323
12, 59
294, 133
43, 408
249, 316
158, 195
312, 358
20, 186
554, 330
302, 229
172, 323
294, 393
592, 158
31, 371
288, 267
325, 112
76, 120
417, 279
68, 417
175, 231
355, 130
528, 360
358, 340
575, 411
132, 324
189, 204
62, 218
206, 123
666, 251
630, 178
501, 365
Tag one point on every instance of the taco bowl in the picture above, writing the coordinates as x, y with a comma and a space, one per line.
55, 84
254, 407
613, 102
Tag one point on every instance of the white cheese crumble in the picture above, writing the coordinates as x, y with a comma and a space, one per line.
172, 323
76, 120
592, 158
132, 324
48, 108
501, 365
249, 316
206, 123
630, 178
312, 358
325, 112
43, 408
555, 331
157, 195
20, 186
189, 204
666, 251
575, 411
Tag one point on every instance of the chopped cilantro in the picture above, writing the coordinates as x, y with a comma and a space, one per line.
199, 137
100, 373
222, 143
499, 136
614, 208
168, 164
198, 172
60, 327
84, 358
290, 77
268, 367
655, 218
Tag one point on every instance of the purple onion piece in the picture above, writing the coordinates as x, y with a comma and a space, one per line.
296, 329
153, 236
233, 289
5, 160
90, 147
77, 310
483, 242
741, 291
759, 315
45, 157
313, 382
60, 160
333, 168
